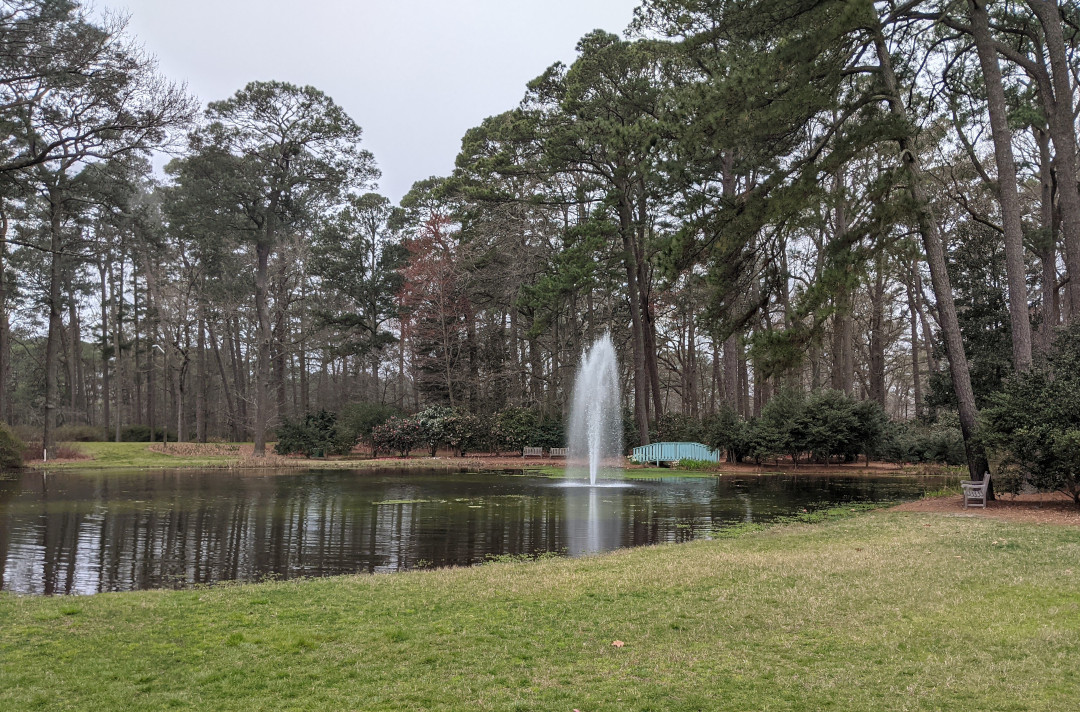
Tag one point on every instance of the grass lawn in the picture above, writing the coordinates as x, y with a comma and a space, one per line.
139, 456
880, 611
133, 455
118, 456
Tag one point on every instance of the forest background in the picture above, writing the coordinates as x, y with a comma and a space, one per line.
811, 228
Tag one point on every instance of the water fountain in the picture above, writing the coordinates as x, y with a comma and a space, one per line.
595, 433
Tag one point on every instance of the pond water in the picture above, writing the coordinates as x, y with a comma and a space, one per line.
88, 533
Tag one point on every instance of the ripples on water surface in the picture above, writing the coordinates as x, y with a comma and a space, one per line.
87, 533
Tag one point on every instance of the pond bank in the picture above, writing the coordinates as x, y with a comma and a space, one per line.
886, 610
136, 456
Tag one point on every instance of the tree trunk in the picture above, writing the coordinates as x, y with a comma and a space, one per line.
1008, 194
201, 378
935, 257
1051, 310
1063, 133
731, 374
137, 411
118, 316
641, 416
691, 366
5, 325
876, 366
281, 337
234, 425
52, 343
75, 376
843, 346
239, 369
644, 279
744, 385
181, 388
915, 375
262, 364
104, 269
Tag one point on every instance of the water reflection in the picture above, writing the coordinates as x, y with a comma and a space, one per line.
91, 533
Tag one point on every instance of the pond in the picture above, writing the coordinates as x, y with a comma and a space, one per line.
88, 533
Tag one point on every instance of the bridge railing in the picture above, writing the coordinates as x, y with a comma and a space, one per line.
672, 451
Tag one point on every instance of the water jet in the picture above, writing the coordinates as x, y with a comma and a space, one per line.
595, 434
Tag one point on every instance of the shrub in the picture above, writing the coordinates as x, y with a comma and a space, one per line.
316, 435
80, 434
11, 449
357, 421
727, 431
399, 435
141, 434
34, 451
432, 422
26, 433
780, 429
827, 427
550, 433
871, 422
1034, 422
910, 442
696, 465
514, 428
464, 432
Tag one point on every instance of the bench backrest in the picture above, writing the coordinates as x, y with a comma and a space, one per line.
557, 452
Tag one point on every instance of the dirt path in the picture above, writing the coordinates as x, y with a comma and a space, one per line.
1051, 508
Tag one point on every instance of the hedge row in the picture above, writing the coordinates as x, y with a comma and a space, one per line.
385, 430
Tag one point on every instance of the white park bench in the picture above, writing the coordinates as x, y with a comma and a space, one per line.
532, 452
975, 491
557, 452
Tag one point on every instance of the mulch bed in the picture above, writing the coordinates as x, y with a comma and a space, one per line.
1047, 508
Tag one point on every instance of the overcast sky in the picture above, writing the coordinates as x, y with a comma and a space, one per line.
415, 74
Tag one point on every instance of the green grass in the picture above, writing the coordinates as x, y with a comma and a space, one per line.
138, 456
880, 611
134, 455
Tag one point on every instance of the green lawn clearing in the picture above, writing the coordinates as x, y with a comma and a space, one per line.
879, 611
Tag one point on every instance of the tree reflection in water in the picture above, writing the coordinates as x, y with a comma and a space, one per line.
68, 533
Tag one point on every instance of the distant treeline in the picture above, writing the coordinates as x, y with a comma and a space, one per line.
762, 200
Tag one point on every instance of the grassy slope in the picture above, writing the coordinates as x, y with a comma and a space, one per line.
884, 611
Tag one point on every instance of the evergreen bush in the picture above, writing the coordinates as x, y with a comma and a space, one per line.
11, 449
81, 434
515, 428
398, 435
433, 422
316, 435
1034, 422
357, 421
464, 432
141, 434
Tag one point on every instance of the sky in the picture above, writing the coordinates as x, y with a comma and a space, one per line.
415, 74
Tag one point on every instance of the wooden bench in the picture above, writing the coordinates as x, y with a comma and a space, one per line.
532, 452
975, 491
557, 452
